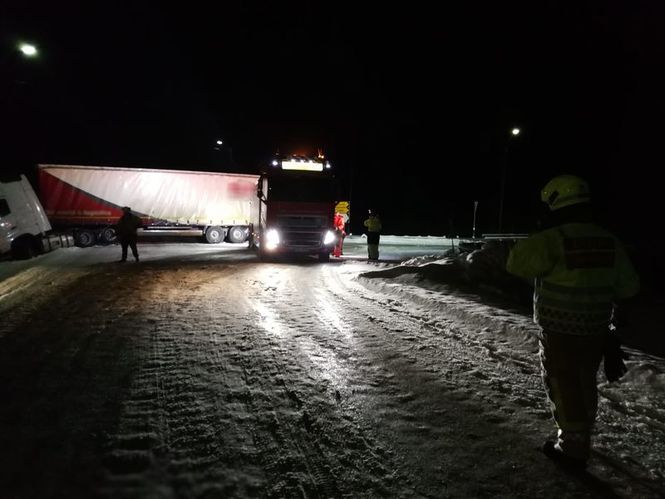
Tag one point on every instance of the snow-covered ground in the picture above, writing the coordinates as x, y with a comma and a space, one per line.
203, 372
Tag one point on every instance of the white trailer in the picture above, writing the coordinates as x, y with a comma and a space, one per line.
89, 201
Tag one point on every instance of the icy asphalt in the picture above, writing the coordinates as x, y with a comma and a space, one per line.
203, 372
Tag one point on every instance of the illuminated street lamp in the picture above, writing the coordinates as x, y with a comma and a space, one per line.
220, 146
513, 133
27, 49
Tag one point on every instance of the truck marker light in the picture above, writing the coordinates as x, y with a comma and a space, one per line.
310, 166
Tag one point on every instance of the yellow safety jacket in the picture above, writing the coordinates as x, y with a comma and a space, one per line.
579, 269
373, 224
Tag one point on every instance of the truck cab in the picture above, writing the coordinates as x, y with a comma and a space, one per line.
296, 208
23, 221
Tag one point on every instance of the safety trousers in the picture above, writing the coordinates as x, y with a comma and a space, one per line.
569, 367
373, 239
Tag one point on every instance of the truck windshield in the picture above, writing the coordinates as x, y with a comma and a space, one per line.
301, 188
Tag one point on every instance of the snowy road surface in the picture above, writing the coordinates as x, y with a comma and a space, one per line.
201, 372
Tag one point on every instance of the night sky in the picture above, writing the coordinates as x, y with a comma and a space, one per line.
413, 104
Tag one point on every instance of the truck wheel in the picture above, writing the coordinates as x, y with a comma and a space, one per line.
324, 257
84, 238
214, 234
108, 235
238, 234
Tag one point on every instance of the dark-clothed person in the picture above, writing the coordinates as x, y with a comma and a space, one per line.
373, 225
125, 230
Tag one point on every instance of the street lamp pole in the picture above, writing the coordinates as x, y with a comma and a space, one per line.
475, 209
504, 164
221, 145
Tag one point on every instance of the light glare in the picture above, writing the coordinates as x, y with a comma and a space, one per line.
272, 239
28, 49
329, 238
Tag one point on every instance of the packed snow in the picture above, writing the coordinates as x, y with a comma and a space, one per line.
202, 372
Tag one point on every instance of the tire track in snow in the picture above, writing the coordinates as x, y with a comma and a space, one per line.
172, 437
309, 373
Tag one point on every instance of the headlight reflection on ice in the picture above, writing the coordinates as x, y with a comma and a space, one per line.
330, 315
269, 320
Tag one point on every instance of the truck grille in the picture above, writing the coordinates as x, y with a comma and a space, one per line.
302, 231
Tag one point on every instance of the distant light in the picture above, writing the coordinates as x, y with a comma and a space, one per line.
220, 142
275, 162
28, 50
516, 131
328, 165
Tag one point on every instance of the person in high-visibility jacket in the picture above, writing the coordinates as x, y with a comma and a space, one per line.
580, 271
339, 223
373, 225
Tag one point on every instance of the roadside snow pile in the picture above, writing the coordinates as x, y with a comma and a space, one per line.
448, 287
473, 266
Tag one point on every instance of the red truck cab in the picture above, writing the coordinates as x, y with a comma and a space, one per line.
296, 208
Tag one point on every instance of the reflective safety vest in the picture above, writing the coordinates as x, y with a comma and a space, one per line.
373, 224
579, 269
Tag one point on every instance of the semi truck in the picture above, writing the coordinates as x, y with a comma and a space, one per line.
88, 201
25, 230
296, 209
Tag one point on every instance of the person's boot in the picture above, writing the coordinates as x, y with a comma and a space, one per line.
572, 463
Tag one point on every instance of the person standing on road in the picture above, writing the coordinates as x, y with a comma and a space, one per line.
126, 232
339, 224
373, 225
580, 271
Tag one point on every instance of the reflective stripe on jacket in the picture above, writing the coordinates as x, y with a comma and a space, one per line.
580, 270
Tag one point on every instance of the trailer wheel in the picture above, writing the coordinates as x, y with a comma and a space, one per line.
214, 234
84, 238
108, 235
238, 234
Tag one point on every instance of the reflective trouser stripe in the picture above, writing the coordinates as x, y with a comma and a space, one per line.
569, 366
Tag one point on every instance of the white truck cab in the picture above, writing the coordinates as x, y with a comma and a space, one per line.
22, 219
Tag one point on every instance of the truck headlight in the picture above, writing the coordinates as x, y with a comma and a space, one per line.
329, 238
272, 239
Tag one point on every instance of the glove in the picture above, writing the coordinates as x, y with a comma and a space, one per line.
613, 364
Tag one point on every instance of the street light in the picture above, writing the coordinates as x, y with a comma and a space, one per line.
514, 133
27, 49
220, 146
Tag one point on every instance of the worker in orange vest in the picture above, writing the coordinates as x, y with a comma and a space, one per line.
339, 224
